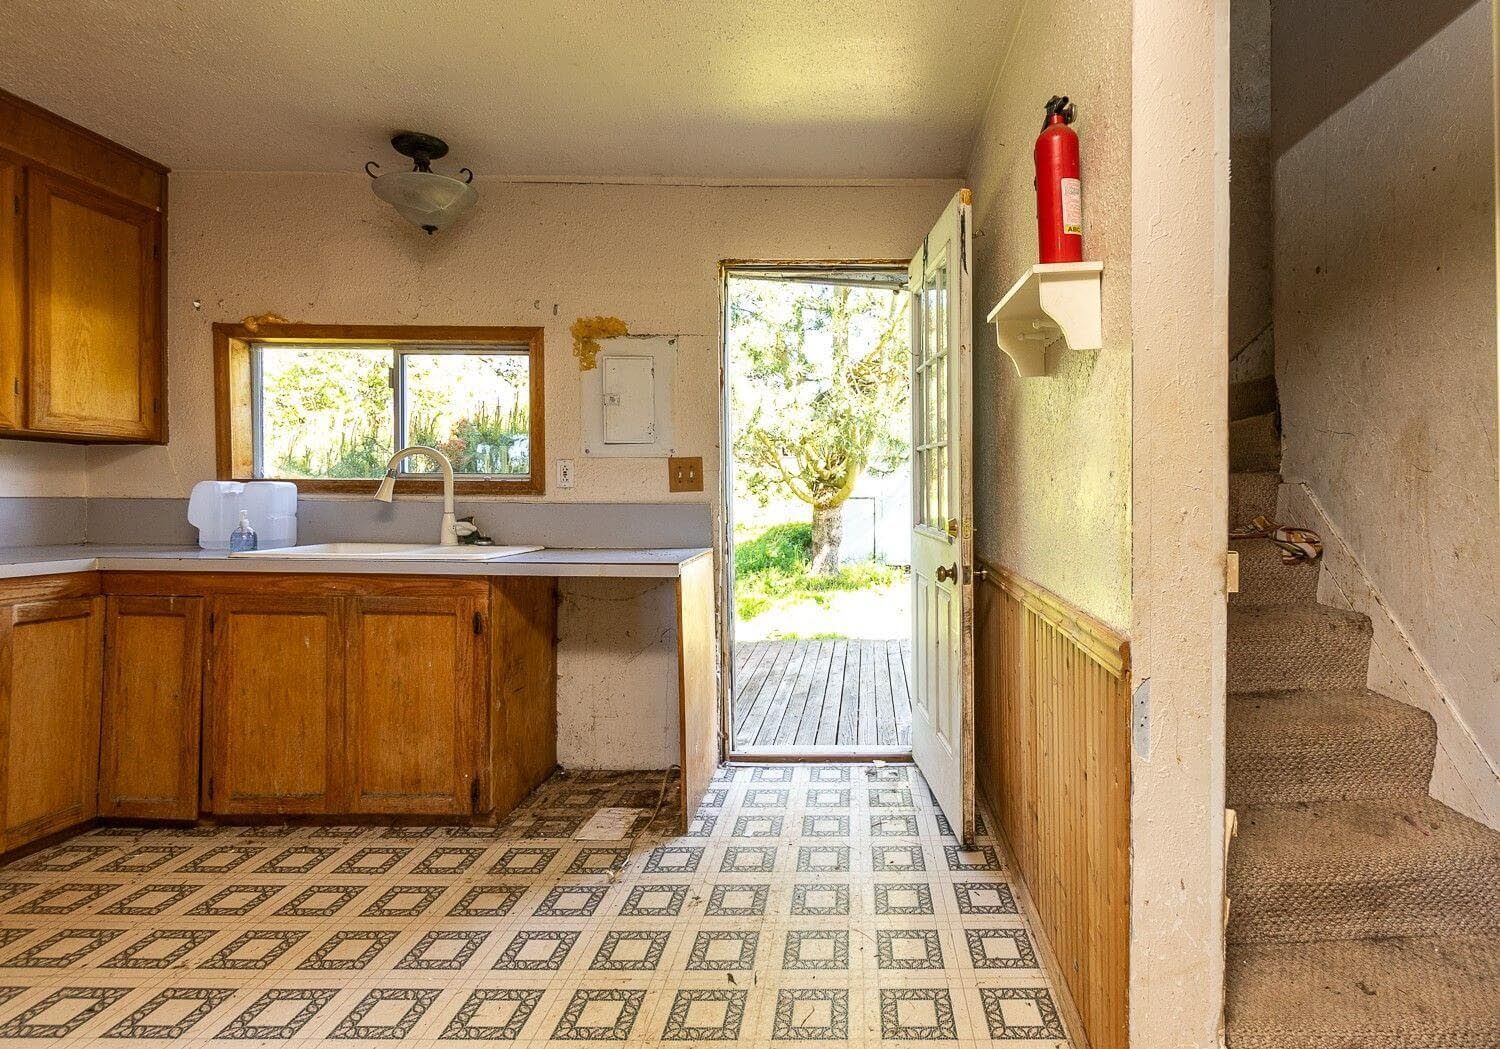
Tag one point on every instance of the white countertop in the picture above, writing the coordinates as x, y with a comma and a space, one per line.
21, 561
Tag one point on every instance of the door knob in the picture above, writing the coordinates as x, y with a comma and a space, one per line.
944, 573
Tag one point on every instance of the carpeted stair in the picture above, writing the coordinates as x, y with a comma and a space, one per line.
1363, 914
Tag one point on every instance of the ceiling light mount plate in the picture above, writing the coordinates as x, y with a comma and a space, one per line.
423, 149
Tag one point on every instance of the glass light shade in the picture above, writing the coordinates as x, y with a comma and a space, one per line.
425, 198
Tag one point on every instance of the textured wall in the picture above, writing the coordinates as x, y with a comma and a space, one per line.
1385, 315
1052, 453
322, 248
42, 468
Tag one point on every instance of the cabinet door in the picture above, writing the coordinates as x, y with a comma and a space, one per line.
12, 296
153, 682
275, 705
415, 704
49, 716
95, 317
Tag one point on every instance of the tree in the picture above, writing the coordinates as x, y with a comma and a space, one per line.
822, 377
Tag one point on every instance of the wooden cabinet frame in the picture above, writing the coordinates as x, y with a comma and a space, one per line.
44, 157
131, 711
221, 791
83, 805
42, 416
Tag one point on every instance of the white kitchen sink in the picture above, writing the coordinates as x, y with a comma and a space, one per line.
390, 552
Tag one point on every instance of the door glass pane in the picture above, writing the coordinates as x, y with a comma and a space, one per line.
473, 407
935, 388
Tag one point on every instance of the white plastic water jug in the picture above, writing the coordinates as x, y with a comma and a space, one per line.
214, 508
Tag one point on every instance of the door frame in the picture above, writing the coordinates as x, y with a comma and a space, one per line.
724, 533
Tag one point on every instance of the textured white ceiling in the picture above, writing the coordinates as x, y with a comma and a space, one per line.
754, 89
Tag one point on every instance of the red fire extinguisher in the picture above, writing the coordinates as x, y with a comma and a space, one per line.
1059, 193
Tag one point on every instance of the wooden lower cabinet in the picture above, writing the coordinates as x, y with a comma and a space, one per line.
153, 692
414, 703
274, 704
50, 688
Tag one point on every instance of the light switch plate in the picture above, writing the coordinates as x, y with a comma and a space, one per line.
685, 473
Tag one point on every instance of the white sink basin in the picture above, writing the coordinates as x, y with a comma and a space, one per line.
390, 552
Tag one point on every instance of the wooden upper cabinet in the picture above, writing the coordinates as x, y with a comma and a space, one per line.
82, 272
12, 294
49, 716
275, 705
415, 703
153, 683
94, 331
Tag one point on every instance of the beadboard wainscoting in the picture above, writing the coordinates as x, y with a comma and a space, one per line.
1053, 753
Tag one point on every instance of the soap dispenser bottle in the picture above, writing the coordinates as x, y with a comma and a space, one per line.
243, 537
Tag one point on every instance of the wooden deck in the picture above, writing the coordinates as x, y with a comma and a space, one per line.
799, 695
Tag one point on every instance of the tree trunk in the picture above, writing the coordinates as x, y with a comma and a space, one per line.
827, 535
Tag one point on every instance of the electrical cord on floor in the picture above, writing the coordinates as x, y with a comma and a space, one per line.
661, 799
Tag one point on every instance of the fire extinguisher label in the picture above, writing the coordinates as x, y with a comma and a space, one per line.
1072, 207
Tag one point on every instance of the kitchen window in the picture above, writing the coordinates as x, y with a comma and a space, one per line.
327, 406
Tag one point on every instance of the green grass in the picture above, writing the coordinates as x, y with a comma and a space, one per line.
772, 570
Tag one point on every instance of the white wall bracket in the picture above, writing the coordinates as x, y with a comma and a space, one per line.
1051, 301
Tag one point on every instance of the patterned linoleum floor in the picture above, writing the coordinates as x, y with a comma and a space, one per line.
823, 903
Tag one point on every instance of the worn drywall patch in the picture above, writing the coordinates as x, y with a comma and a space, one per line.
587, 331
253, 323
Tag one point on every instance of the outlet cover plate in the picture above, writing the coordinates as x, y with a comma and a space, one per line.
685, 473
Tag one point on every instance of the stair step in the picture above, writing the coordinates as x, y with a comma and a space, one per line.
1343, 870
1287, 747
1252, 493
1252, 397
1365, 994
1278, 647
1264, 580
1255, 443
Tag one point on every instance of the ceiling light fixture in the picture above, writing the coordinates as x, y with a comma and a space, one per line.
422, 196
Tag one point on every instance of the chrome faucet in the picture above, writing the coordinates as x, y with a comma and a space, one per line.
448, 531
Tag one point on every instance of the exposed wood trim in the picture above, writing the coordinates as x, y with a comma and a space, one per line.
1101, 640
1053, 757
291, 585
37, 112
49, 587
697, 683
234, 426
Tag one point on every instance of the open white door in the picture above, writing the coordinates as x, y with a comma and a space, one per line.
942, 540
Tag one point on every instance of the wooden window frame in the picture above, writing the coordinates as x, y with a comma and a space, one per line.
234, 427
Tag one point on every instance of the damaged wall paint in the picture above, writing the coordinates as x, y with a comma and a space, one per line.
587, 333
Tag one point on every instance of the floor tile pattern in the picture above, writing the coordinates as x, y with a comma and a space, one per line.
808, 903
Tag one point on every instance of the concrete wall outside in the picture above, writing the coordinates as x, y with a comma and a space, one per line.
1386, 322
1052, 453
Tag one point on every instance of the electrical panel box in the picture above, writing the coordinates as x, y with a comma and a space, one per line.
627, 397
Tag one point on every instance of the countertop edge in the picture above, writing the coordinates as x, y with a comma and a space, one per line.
655, 564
